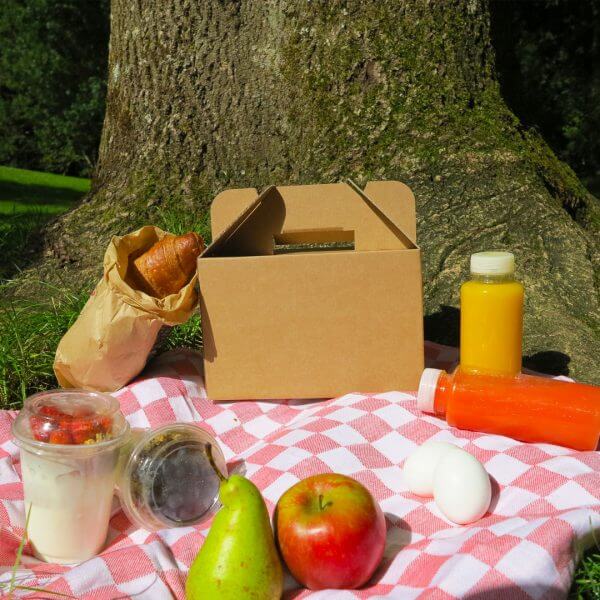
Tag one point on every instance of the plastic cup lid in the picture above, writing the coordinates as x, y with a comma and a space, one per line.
70, 421
168, 479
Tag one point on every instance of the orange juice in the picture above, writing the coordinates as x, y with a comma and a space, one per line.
526, 408
491, 316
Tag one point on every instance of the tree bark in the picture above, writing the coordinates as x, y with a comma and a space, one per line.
233, 93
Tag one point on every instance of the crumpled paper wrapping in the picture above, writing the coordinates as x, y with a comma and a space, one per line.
113, 337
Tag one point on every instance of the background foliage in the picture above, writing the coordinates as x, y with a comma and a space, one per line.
53, 59
548, 58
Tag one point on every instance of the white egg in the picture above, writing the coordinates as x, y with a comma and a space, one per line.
461, 487
420, 466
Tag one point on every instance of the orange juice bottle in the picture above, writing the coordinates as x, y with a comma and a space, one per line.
491, 316
525, 407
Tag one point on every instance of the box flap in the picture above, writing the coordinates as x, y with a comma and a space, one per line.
397, 201
253, 232
227, 205
330, 211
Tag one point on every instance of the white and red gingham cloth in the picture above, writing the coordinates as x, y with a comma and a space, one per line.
545, 507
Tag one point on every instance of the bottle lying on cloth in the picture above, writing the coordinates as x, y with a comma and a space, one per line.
527, 408
149, 282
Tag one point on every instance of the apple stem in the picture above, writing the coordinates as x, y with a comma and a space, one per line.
321, 505
211, 460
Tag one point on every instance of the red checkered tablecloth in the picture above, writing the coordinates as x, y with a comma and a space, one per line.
545, 507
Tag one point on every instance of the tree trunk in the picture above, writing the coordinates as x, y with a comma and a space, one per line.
232, 93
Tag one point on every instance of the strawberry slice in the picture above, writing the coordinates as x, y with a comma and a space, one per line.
65, 422
60, 437
40, 428
57, 427
51, 411
82, 430
104, 424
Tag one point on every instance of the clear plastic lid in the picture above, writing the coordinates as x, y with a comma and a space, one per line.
70, 421
169, 476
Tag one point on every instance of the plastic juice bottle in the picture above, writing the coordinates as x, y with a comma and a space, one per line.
525, 407
491, 316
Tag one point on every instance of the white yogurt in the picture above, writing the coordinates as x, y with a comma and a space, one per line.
70, 442
70, 501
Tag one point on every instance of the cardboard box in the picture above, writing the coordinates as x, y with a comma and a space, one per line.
311, 292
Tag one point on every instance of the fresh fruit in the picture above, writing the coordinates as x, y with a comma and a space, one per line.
103, 424
55, 426
238, 559
60, 436
39, 428
82, 431
331, 532
50, 411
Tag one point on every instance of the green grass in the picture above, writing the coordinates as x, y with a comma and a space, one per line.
22, 190
30, 330
586, 585
29, 334
28, 200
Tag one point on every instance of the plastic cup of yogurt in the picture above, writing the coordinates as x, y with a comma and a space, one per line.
69, 442
168, 477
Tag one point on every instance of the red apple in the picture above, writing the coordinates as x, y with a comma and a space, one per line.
331, 532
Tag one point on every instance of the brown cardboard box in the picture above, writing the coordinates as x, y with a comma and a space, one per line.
285, 317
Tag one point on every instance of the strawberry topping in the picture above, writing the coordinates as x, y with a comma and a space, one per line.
54, 426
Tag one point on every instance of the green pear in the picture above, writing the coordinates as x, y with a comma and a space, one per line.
238, 560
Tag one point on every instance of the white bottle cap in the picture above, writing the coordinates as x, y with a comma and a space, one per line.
493, 263
427, 387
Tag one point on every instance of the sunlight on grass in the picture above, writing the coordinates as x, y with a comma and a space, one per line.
26, 177
179, 222
30, 330
28, 200
23, 191
29, 334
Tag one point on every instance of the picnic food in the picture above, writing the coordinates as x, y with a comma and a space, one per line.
116, 332
491, 316
167, 265
526, 407
461, 487
331, 532
420, 466
69, 441
55, 426
238, 559
456, 480
167, 479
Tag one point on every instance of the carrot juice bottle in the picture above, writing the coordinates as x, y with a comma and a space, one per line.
491, 316
527, 408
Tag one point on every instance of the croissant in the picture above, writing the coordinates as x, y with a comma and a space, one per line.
167, 265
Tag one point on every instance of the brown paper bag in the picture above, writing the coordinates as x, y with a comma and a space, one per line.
113, 336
